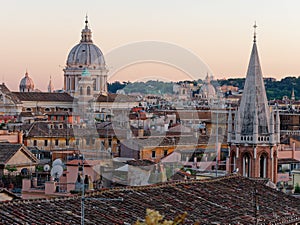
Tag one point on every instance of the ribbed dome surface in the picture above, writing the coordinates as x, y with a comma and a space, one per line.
26, 83
85, 54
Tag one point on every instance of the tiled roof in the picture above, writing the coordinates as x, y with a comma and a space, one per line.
8, 193
8, 150
226, 200
44, 96
54, 129
115, 98
172, 140
9, 94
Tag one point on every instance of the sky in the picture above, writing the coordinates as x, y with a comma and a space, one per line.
38, 35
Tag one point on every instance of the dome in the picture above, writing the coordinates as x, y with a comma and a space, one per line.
207, 90
85, 54
26, 84
85, 73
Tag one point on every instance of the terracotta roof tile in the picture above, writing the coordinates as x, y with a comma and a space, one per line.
44, 96
226, 200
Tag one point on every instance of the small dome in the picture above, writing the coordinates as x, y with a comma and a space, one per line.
85, 73
26, 84
207, 90
86, 54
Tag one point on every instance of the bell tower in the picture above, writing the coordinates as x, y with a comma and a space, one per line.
256, 132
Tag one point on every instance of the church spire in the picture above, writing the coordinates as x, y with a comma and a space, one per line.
50, 86
254, 35
293, 95
254, 110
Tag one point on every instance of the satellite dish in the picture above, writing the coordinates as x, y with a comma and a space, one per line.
56, 171
46, 168
57, 162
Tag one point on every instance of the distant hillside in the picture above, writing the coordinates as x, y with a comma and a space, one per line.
274, 89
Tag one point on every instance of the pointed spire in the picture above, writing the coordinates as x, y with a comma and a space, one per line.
272, 124
293, 94
50, 86
254, 36
254, 105
86, 22
26, 73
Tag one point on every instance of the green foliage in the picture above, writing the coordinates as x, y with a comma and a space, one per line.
113, 87
149, 87
10, 168
274, 89
297, 189
39, 168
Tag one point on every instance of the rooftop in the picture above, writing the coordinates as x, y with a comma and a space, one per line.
226, 200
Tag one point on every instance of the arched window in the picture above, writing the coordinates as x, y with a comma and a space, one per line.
88, 90
233, 162
81, 91
263, 165
247, 165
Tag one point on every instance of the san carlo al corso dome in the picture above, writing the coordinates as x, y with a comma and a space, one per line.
85, 54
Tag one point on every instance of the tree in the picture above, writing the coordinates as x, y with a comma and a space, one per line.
155, 218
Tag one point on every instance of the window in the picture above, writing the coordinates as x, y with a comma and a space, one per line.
94, 84
28, 109
109, 142
56, 142
77, 141
93, 141
45, 142
34, 142
153, 154
165, 152
87, 141
67, 142
47, 110
81, 92
88, 90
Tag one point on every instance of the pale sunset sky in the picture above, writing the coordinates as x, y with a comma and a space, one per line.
38, 35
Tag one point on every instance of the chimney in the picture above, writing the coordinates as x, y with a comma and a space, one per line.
20, 137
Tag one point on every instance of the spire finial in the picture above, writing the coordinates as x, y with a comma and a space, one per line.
86, 20
254, 26
26, 73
